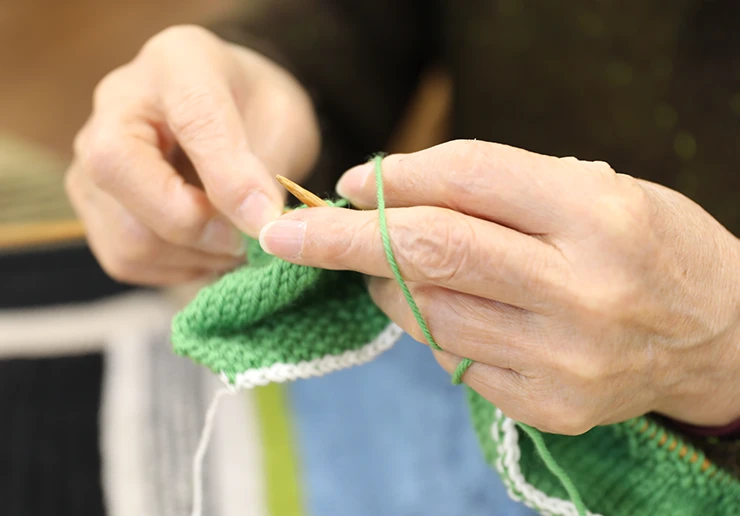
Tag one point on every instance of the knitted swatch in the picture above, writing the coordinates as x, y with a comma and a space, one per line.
272, 321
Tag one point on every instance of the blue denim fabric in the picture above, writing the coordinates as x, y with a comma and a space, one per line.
393, 438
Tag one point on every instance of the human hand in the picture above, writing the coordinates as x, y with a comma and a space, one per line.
585, 297
180, 153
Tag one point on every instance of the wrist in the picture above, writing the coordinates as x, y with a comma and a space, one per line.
705, 392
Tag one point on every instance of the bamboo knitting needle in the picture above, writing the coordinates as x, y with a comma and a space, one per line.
41, 233
309, 199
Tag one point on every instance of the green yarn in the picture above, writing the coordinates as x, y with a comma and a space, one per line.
391, 257
273, 312
465, 363
544, 453
619, 470
272, 321
463, 366
393, 264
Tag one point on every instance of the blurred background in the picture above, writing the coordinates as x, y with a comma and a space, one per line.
59, 313
52, 54
96, 416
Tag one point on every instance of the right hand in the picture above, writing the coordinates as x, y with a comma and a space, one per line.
178, 157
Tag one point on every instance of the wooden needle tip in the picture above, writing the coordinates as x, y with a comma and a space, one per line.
309, 199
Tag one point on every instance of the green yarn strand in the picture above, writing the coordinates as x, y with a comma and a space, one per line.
463, 366
539, 443
465, 363
393, 264
391, 257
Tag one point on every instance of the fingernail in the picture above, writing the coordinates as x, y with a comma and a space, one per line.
283, 238
257, 210
221, 237
352, 184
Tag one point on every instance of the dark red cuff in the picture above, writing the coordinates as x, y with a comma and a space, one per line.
711, 431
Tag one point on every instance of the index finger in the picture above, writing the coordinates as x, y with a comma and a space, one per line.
530, 192
200, 110
120, 151
431, 245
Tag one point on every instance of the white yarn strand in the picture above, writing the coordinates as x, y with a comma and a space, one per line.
200, 452
280, 372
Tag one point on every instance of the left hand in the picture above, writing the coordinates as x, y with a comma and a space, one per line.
585, 297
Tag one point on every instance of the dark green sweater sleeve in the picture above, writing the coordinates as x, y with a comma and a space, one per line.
359, 61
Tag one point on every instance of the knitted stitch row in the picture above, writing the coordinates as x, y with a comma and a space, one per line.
272, 321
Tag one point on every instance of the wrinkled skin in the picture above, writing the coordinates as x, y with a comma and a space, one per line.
585, 297
179, 155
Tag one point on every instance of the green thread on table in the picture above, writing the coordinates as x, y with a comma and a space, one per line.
535, 435
391, 257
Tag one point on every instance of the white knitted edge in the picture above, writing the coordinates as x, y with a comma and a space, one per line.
506, 436
281, 372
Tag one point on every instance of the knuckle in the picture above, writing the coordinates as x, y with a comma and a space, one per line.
613, 218
118, 268
108, 85
472, 150
194, 117
346, 245
573, 422
183, 230
138, 245
283, 101
439, 249
595, 166
128, 254
602, 304
416, 332
398, 171
558, 408
79, 144
560, 418
100, 154
476, 155
140, 252
602, 166
544, 271
624, 209
582, 368
476, 163
175, 37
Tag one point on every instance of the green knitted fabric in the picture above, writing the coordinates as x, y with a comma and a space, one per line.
272, 321
633, 468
